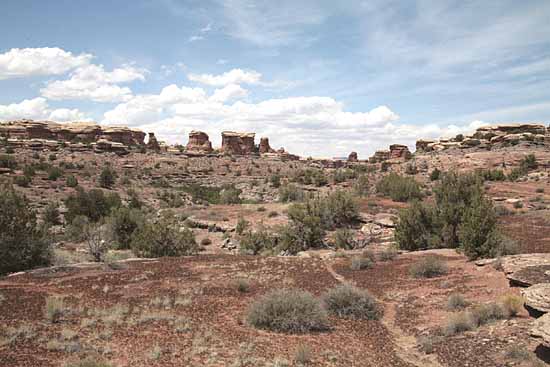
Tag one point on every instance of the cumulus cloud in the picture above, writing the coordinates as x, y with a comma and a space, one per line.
38, 109
235, 76
21, 62
229, 92
92, 82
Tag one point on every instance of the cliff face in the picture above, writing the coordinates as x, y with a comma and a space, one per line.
83, 132
487, 136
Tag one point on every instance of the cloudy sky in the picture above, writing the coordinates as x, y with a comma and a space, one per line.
320, 78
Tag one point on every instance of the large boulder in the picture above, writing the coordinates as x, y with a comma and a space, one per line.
537, 297
199, 142
541, 329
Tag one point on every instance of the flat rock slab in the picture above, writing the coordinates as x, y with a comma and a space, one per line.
541, 329
537, 297
513, 263
385, 220
531, 275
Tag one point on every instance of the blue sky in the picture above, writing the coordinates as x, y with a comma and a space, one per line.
321, 78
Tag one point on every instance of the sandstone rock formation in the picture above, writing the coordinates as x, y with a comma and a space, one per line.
531, 275
537, 297
199, 142
238, 143
352, 157
380, 156
487, 136
541, 329
84, 132
398, 151
153, 143
264, 146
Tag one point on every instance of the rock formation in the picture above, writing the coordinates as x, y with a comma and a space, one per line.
264, 146
537, 297
238, 143
153, 143
541, 329
398, 151
352, 157
487, 136
199, 142
380, 156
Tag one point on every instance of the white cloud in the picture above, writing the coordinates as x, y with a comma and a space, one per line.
235, 76
195, 38
21, 62
229, 92
92, 82
38, 109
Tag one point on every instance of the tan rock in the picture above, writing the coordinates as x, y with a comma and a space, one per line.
398, 151
541, 329
537, 297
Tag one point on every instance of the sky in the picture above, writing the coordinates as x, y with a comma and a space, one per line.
321, 78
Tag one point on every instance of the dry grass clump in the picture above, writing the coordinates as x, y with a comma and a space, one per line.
351, 302
428, 267
456, 301
388, 255
54, 309
303, 355
512, 304
361, 263
242, 285
458, 323
288, 311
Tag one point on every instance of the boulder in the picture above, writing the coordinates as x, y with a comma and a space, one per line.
384, 220
199, 142
541, 329
537, 297
513, 263
352, 157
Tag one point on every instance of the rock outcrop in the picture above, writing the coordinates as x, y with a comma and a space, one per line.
380, 156
531, 275
153, 143
238, 143
487, 136
199, 142
537, 297
352, 157
84, 132
398, 151
264, 146
541, 329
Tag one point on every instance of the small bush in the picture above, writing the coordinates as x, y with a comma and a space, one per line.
361, 263
71, 181
428, 267
261, 209
22, 181
93, 204
456, 301
486, 313
54, 173
206, 241
388, 255
51, 214
288, 311
230, 195
123, 223
163, 238
107, 178
7, 161
254, 243
458, 323
512, 304
290, 192
54, 309
434, 175
302, 355
350, 302
242, 225
399, 188
343, 239
272, 214
242, 285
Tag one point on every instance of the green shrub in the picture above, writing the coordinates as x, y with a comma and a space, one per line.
350, 302
230, 195
410, 169
163, 238
511, 304
75, 230
428, 267
272, 214
7, 161
290, 192
399, 188
52, 157
93, 204
434, 175
71, 181
242, 285
343, 239
54, 173
201, 193
416, 229
23, 244
343, 175
107, 177
123, 222
288, 311
51, 214
29, 171
361, 186
486, 313
22, 181
254, 243
275, 180
242, 225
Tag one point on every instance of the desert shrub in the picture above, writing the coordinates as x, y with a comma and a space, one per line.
257, 242
369, 254
75, 229
458, 323
477, 229
428, 267
242, 225
351, 302
97, 240
502, 211
486, 313
275, 180
491, 174
511, 304
123, 222
361, 186
201, 193
343, 175
310, 177
93, 204
88, 362
416, 228
134, 201
539, 190
29, 171
54, 309
54, 173
261, 209
361, 263
518, 352
290, 192
230, 195
338, 209
399, 188
52, 157
272, 214
529, 162
23, 243
434, 175
107, 177
288, 311
303, 355
242, 285
410, 169
456, 301
22, 181
51, 214
7, 161
163, 238
388, 255
71, 181
518, 205
343, 239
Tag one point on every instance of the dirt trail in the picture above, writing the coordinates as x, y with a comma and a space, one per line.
405, 344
